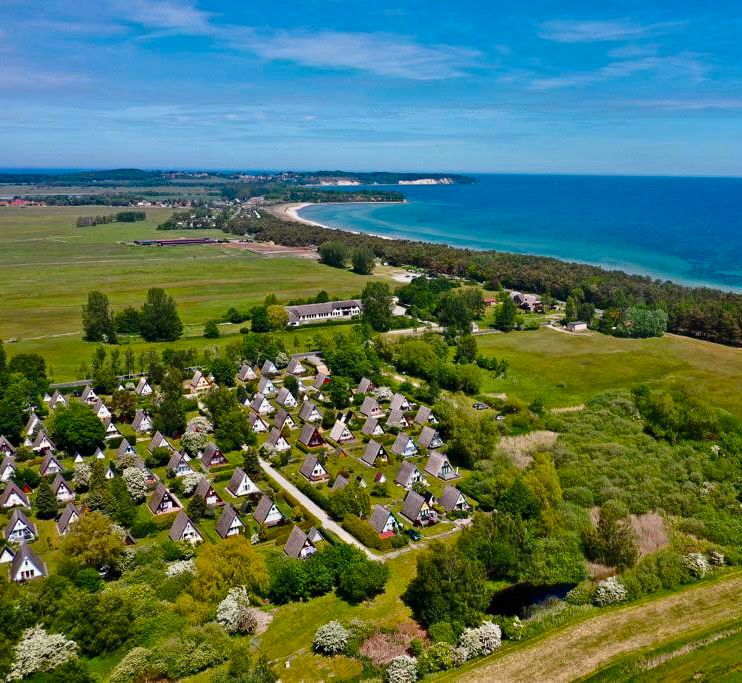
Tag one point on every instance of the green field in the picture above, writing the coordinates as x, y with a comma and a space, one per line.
565, 369
48, 265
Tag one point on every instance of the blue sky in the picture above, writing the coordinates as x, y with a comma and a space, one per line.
576, 87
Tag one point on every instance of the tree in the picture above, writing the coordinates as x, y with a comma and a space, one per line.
123, 405
3, 367
123, 505
377, 306
97, 322
170, 415
292, 384
99, 497
363, 581
613, 542
33, 367
197, 507
339, 392
45, 502
93, 541
159, 320
363, 261
17, 398
259, 321
570, 310
223, 371
224, 565
233, 430
211, 330
505, 316
278, 318
448, 587
333, 253
77, 428
466, 349
127, 321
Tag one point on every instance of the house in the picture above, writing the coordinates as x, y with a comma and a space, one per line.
310, 436
162, 501
211, 456
110, 472
425, 415
6, 448
384, 522
88, 395
329, 310
364, 386
49, 465
229, 523
99, 454
286, 399
266, 386
246, 373
418, 510
241, 485
159, 441
320, 380
452, 499
527, 302
371, 408
112, 431
183, 529
439, 466
429, 438
33, 422
42, 444
260, 405
379, 478
298, 546
296, 368
404, 446
340, 432
20, 529
199, 383
399, 402
178, 464
7, 468
269, 368
143, 387
313, 469
577, 326
257, 424
6, 555
100, 409
408, 474
78, 458
57, 400
277, 442
374, 452
372, 427
69, 516
340, 483
397, 419
283, 419
267, 513
62, 490
124, 449
142, 422
27, 565
206, 490
309, 412
12, 496
150, 476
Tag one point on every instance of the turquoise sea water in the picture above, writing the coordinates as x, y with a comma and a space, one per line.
688, 230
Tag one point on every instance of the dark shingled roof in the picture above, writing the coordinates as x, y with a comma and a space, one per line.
19, 516
179, 525
399, 402
225, 520
373, 450
10, 488
262, 509
340, 483
204, 487
307, 433
370, 425
308, 465
379, 517
68, 514
411, 507
449, 498
295, 543
306, 410
400, 443
25, 552
369, 405
364, 385
422, 415
427, 435
405, 472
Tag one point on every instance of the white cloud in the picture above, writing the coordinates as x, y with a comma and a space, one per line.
591, 31
166, 15
20, 77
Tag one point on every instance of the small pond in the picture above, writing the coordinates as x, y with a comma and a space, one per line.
516, 600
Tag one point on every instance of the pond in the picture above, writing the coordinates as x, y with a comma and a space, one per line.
516, 600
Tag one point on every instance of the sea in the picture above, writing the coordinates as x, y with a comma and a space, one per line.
688, 230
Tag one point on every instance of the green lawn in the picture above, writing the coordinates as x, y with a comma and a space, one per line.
566, 369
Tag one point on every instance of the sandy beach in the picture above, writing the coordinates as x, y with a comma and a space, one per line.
290, 212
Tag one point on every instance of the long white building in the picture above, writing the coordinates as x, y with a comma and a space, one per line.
331, 310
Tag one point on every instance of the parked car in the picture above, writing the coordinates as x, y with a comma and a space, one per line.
414, 534
480, 406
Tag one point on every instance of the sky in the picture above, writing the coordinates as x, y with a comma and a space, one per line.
481, 86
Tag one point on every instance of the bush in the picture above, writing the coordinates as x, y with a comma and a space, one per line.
582, 594
331, 639
139, 664
363, 580
481, 641
402, 669
440, 657
39, 651
442, 632
512, 627
610, 592
234, 612
697, 564
197, 649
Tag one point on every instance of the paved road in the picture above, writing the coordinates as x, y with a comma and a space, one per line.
315, 509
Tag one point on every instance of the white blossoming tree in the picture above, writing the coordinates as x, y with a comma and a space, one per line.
696, 564
235, 614
200, 424
331, 639
384, 394
610, 592
193, 442
480, 641
136, 483
190, 482
402, 669
38, 651
81, 475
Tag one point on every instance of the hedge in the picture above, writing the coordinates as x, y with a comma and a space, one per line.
365, 533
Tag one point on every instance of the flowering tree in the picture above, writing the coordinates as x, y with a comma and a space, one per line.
384, 394
38, 651
126, 460
81, 476
481, 641
200, 424
610, 592
696, 564
180, 567
402, 669
136, 483
193, 442
331, 639
234, 612
190, 482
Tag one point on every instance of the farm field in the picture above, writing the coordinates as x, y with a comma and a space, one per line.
578, 649
565, 369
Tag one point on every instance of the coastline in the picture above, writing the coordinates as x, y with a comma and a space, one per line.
290, 212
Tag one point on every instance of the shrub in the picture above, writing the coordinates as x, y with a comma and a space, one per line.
234, 612
39, 651
136, 483
442, 632
582, 594
193, 442
362, 580
331, 639
139, 664
81, 476
197, 649
610, 592
480, 641
180, 567
512, 627
697, 564
402, 669
441, 657
190, 482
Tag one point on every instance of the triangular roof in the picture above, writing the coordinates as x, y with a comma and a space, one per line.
265, 385
139, 417
320, 380
204, 488
211, 453
435, 463
182, 520
295, 367
157, 495
336, 433
401, 443
229, 514
296, 542
373, 450
6, 446
450, 498
379, 517
47, 462
370, 426
308, 431
399, 402
246, 373
125, 448
423, 414
269, 368
175, 459
427, 436
58, 483
19, 516
88, 394
365, 385
340, 483
238, 476
159, 441
69, 514
310, 462
12, 488
42, 436
306, 410
33, 420
25, 553
257, 402
412, 504
7, 463
396, 419
282, 416
369, 406
274, 437
143, 387
285, 396
405, 472
253, 418
263, 509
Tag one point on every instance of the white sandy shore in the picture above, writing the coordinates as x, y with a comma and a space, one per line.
291, 212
